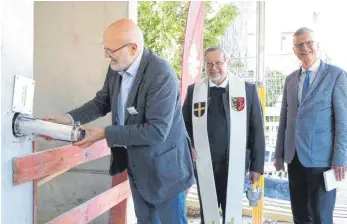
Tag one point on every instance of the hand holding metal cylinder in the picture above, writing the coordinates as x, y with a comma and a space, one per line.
25, 125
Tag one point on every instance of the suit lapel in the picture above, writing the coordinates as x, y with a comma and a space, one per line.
137, 81
322, 71
294, 87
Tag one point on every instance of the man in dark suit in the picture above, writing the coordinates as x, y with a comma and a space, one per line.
312, 131
147, 135
218, 120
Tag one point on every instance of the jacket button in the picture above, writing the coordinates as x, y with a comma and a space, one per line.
297, 117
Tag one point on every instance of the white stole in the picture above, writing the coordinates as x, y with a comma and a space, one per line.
237, 150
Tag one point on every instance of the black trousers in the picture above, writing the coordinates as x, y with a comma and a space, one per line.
310, 203
220, 179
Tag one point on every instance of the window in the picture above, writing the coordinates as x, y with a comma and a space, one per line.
287, 42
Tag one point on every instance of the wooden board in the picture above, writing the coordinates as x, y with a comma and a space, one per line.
44, 163
35, 186
119, 211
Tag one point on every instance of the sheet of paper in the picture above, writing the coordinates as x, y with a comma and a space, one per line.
330, 181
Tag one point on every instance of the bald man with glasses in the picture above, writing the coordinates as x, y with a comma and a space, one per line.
147, 136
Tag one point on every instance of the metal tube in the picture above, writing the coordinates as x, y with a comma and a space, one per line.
24, 126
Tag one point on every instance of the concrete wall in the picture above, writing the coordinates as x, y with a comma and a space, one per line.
16, 59
69, 67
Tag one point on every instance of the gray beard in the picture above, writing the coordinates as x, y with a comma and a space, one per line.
216, 78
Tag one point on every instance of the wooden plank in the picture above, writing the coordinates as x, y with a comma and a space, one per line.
96, 206
119, 211
44, 163
35, 185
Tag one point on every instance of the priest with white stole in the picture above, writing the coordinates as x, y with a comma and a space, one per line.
224, 120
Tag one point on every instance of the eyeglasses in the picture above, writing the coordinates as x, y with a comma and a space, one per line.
308, 43
110, 52
218, 64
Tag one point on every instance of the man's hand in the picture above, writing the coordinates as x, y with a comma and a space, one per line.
64, 119
93, 134
339, 172
254, 176
194, 154
279, 164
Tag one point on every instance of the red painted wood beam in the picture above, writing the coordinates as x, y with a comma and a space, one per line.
35, 186
47, 162
119, 212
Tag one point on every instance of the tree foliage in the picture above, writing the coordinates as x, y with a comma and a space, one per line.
163, 24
